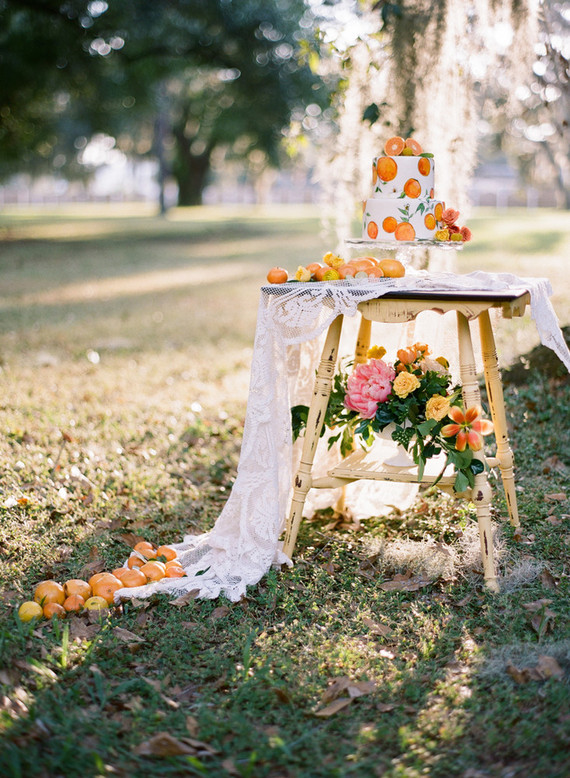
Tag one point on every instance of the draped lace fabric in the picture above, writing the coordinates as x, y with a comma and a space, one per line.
244, 542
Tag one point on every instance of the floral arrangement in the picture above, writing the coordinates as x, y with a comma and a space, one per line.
416, 395
449, 230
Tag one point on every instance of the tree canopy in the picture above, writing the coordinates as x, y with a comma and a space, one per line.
204, 72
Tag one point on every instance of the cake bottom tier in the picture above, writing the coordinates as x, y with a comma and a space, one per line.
402, 219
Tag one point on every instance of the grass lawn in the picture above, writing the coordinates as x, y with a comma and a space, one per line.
125, 344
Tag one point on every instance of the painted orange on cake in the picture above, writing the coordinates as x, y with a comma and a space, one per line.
374, 174
414, 146
429, 221
387, 168
412, 188
394, 146
424, 166
372, 230
438, 211
404, 231
389, 224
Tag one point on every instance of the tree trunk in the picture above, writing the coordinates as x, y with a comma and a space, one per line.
190, 170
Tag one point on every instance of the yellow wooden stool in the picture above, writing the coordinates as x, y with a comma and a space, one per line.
404, 307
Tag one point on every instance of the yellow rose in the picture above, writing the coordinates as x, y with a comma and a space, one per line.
332, 260
405, 383
376, 352
437, 407
442, 235
302, 274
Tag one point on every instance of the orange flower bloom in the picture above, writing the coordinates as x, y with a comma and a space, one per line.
450, 216
468, 427
466, 232
406, 355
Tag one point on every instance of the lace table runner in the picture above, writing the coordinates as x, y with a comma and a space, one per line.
243, 544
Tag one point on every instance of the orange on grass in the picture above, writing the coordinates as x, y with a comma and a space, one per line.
96, 604
167, 552
134, 578
404, 231
99, 577
277, 275
412, 188
119, 572
392, 268
77, 586
387, 168
438, 211
30, 610
389, 224
175, 572
135, 561
154, 570
429, 221
372, 230
414, 146
394, 146
52, 609
106, 588
145, 548
424, 166
49, 591
74, 603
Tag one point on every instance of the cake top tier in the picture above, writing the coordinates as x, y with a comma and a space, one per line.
403, 171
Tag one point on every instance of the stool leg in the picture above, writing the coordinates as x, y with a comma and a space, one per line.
317, 409
497, 405
481, 493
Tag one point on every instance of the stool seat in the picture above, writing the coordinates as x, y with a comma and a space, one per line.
403, 306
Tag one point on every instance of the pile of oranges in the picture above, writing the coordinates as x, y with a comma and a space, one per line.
146, 564
334, 268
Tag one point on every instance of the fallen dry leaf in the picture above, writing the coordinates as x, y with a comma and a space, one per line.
376, 628
185, 599
405, 583
220, 612
125, 636
163, 744
343, 685
546, 667
548, 580
536, 605
549, 667
555, 497
333, 708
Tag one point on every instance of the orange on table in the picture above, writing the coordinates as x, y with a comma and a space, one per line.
394, 146
52, 609
347, 271
375, 272
49, 591
326, 273
30, 610
392, 268
389, 224
167, 552
175, 572
363, 263
429, 221
313, 267
74, 603
412, 188
154, 571
424, 166
106, 588
134, 577
387, 168
77, 586
372, 230
404, 231
277, 275
414, 146
173, 563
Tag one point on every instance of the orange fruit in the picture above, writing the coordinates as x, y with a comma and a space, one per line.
277, 275
394, 146
363, 263
96, 604
404, 231
372, 230
392, 268
167, 552
74, 603
414, 146
438, 211
375, 272
347, 270
77, 586
429, 221
145, 548
326, 273
30, 610
119, 572
135, 561
52, 609
134, 577
98, 577
313, 267
49, 591
424, 166
412, 188
389, 224
173, 562
106, 588
175, 572
387, 168
154, 571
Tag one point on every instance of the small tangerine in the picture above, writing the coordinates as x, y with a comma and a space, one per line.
49, 591
54, 609
74, 603
277, 275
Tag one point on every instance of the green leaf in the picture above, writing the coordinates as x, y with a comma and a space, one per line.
371, 113
426, 426
461, 482
476, 466
426, 154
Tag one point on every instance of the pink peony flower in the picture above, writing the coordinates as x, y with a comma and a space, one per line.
466, 232
450, 216
368, 385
